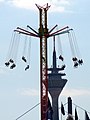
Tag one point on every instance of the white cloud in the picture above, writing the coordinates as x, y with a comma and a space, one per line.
76, 92
1, 0
61, 2
56, 5
27, 4
66, 92
59, 9
28, 92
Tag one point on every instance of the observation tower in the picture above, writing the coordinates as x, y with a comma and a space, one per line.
55, 84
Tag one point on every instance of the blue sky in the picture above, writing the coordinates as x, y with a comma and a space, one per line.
19, 89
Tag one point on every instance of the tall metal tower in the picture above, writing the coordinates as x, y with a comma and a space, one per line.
43, 30
55, 84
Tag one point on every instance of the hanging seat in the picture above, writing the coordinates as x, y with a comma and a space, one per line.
13, 65
24, 59
7, 64
76, 64
11, 60
74, 58
80, 61
63, 67
61, 58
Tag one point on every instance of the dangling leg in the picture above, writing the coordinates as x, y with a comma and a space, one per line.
7, 64
24, 59
12, 66
27, 67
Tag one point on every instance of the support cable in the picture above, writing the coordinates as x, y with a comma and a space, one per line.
9, 55
27, 111
10, 47
16, 47
13, 49
60, 45
29, 50
71, 44
64, 104
28, 53
25, 48
80, 61
75, 49
75, 43
61, 52
74, 58
81, 108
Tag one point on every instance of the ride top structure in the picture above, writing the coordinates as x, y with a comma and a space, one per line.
43, 34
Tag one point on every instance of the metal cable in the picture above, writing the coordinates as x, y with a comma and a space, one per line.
71, 44
27, 111
29, 50
81, 108
75, 43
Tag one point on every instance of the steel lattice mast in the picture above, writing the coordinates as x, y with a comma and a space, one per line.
43, 30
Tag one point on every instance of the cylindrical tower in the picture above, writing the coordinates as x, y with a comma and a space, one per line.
55, 85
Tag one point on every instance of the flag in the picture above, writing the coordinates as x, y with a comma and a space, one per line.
76, 116
86, 116
62, 109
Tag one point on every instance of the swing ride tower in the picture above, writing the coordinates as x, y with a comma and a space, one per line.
43, 34
43, 30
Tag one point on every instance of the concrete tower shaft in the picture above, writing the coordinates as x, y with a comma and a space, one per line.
55, 84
